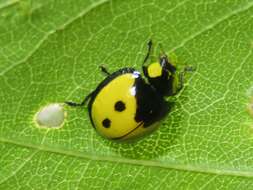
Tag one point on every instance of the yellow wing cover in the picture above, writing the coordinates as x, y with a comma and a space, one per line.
121, 123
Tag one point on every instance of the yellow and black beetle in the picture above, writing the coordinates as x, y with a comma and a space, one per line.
125, 106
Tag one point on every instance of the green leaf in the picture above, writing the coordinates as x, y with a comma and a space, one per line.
50, 52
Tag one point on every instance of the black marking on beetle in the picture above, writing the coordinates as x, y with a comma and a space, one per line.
151, 106
106, 123
119, 106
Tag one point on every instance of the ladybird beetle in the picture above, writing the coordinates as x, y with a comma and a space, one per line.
125, 106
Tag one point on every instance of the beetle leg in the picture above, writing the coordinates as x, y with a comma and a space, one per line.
74, 104
148, 53
104, 70
178, 81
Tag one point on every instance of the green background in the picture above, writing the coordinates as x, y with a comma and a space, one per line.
50, 52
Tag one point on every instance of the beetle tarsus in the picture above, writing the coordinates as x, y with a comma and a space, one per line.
104, 70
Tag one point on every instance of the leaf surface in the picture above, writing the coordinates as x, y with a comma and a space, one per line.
50, 52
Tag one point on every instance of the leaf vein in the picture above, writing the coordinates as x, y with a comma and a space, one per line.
211, 26
148, 163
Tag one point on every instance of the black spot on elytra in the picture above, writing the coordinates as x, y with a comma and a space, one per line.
119, 106
106, 123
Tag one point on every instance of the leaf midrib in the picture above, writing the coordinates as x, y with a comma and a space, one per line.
150, 163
